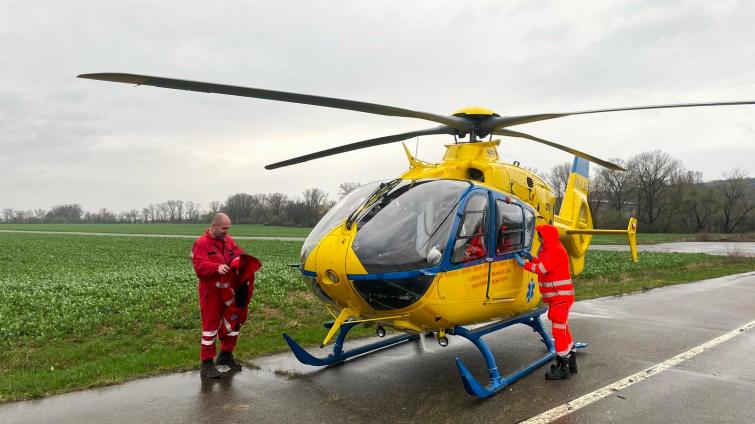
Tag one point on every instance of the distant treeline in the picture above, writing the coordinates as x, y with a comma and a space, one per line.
243, 208
657, 189
665, 197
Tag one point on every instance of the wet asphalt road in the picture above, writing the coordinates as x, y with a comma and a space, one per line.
418, 381
711, 248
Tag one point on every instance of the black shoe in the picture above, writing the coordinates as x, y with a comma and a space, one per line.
226, 358
572, 363
208, 370
562, 371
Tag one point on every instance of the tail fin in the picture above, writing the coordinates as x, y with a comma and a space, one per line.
574, 214
575, 221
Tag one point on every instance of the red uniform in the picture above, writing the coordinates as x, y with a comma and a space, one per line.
475, 249
215, 290
552, 268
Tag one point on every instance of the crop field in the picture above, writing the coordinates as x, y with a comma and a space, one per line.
172, 229
80, 311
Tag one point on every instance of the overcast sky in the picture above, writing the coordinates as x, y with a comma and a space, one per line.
66, 140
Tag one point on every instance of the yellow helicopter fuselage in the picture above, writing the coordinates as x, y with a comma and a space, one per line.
491, 287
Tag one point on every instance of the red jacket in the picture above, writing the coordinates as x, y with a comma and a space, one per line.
209, 253
552, 267
242, 272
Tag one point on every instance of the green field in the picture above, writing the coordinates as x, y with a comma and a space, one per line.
172, 229
82, 311
79, 311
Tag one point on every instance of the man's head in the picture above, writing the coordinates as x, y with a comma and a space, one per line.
220, 225
547, 234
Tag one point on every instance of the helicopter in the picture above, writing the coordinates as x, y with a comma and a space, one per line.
432, 251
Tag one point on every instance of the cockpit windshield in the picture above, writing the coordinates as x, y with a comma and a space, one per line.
406, 227
335, 216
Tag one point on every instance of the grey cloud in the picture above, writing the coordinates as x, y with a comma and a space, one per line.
110, 145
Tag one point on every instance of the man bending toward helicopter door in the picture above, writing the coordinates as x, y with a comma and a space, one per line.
552, 267
226, 284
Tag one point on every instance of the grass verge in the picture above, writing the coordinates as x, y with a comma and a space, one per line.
81, 312
610, 274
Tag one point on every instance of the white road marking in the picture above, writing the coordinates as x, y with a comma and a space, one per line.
585, 315
581, 402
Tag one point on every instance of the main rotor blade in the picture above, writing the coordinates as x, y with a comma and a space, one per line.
361, 145
575, 152
509, 121
281, 96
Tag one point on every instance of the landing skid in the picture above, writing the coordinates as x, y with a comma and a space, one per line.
496, 381
339, 355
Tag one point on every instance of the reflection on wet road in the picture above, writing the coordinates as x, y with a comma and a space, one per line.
418, 381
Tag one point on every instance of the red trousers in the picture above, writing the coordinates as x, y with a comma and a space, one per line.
219, 320
558, 313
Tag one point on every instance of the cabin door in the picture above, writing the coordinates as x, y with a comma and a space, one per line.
509, 236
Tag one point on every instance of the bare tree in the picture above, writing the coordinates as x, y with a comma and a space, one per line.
297, 213
653, 173
315, 201
346, 188
239, 207
162, 212
39, 215
192, 211
314, 198
133, 216
65, 214
180, 210
173, 212
617, 186
737, 198
275, 208
214, 207
696, 202
8, 214
558, 178
23, 216
595, 199
104, 216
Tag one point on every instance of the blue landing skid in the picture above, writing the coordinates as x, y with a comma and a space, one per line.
496, 381
339, 355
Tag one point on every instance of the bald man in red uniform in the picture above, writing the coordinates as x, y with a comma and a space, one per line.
219, 281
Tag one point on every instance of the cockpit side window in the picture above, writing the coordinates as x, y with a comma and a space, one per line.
471, 241
529, 227
511, 228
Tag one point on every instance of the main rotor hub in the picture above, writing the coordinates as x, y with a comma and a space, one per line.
475, 111
476, 115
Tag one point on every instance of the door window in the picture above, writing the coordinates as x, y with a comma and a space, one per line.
510, 227
471, 241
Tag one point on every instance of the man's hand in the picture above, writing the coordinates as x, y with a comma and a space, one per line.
527, 255
518, 259
223, 269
